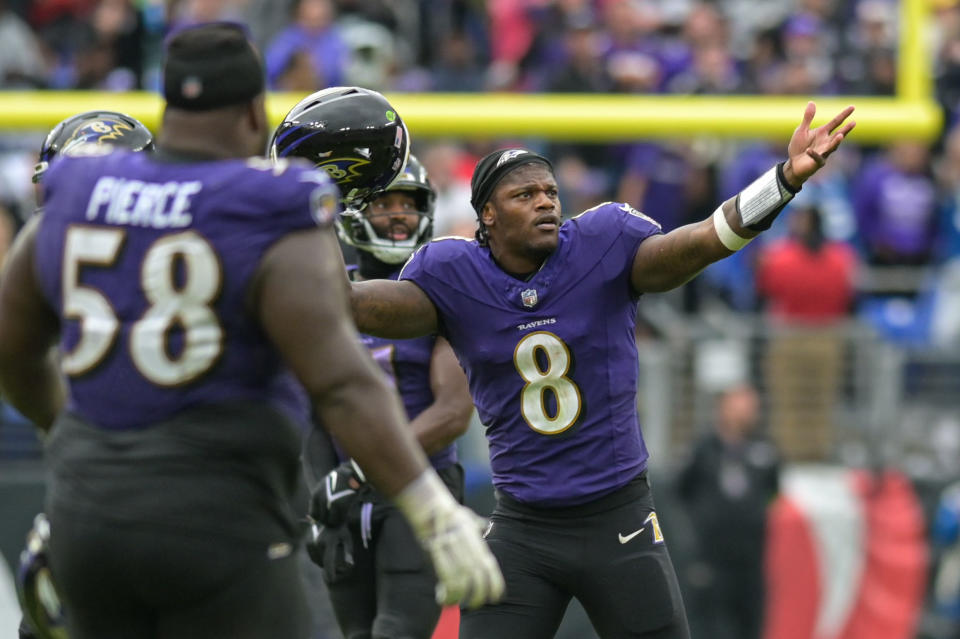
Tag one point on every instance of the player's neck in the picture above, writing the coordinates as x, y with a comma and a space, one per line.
522, 267
198, 147
202, 133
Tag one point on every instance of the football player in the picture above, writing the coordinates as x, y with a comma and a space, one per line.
172, 283
36, 588
88, 133
541, 314
387, 588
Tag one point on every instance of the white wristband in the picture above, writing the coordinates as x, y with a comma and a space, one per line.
728, 238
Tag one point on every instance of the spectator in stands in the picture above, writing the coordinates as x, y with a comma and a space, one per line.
372, 58
895, 201
313, 30
382, 12
804, 278
631, 52
266, 19
95, 67
705, 26
654, 181
299, 75
581, 70
760, 65
196, 11
21, 60
807, 283
511, 36
118, 27
457, 68
947, 65
869, 64
948, 183
808, 67
713, 71
727, 486
454, 215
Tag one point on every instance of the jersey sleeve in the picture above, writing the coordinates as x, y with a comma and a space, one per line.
615, 230
417, 271
432, 268
308, 197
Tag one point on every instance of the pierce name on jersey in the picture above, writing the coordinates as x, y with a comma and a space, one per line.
551, 361
149, 262
116, 200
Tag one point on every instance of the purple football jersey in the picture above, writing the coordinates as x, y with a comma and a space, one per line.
406, 363
551, 361
148, 264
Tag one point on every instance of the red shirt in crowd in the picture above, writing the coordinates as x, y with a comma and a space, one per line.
803, 286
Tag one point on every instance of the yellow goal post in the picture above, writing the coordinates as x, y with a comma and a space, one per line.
911, 113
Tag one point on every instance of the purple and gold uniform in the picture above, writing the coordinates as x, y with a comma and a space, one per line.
149, 267
390, 588
407, 364
175, 392
552, 366
551, 361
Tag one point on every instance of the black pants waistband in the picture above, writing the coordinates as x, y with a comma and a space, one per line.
636, 488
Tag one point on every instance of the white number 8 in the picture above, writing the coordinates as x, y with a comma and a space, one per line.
553, 378
183, 304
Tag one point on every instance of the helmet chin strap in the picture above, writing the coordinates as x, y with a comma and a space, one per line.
373, 269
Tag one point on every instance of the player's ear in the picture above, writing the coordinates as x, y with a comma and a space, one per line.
257, 113
488, 216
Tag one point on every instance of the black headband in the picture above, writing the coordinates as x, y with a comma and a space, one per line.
211, 65
491, 169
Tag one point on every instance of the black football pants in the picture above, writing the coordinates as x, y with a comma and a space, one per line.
391, 592
609, 554
131, 581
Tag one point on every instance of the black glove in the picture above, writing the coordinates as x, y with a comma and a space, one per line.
331, 548
331, 502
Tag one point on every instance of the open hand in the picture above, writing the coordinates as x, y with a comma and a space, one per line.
809, 148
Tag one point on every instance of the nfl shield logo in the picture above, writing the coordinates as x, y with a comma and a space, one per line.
529, 297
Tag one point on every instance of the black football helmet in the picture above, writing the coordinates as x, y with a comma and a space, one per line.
72, 136
355, 228
35, 588
352, 133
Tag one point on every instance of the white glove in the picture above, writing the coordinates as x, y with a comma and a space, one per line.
466, 569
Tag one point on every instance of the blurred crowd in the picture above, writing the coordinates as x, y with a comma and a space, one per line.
874, 237
889, 218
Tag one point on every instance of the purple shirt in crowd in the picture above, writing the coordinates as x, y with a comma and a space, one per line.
327, 50
896, 212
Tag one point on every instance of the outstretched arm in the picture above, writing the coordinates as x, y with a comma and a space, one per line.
392, 309
663, 262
